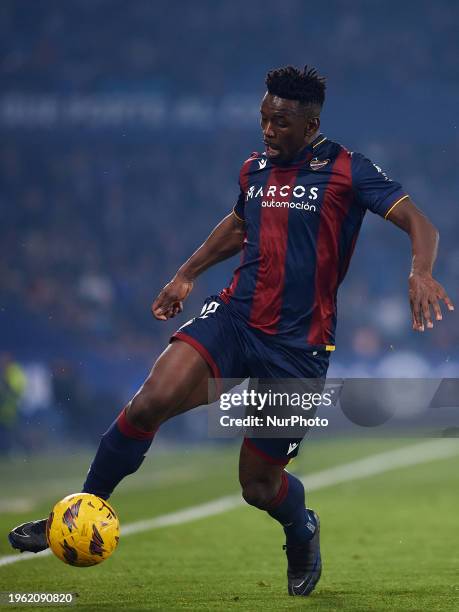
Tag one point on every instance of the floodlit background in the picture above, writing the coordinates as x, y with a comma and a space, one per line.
123, 127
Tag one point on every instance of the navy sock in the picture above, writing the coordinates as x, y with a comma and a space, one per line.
288, 507
121, 452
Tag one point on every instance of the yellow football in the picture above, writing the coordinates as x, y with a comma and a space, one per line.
82, 529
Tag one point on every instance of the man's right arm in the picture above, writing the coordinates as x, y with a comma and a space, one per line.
224, 241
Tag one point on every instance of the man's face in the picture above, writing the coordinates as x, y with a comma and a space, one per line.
286, 127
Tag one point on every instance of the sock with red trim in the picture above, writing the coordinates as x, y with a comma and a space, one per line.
288, 507
121, 452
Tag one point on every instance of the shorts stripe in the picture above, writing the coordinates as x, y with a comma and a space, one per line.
179, 335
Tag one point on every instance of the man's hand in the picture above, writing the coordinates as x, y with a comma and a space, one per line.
170, 300
425, 292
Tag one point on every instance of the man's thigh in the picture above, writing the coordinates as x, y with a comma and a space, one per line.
200, 353
179, 379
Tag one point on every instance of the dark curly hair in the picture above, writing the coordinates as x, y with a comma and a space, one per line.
289, 82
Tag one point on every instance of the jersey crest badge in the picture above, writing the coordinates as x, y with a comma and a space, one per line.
317, 164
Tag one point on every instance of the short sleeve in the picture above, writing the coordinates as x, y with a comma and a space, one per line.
239, 208
374, 189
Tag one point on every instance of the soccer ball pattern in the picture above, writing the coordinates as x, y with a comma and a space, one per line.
82, 529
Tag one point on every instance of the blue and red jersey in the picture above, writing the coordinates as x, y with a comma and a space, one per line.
302, 220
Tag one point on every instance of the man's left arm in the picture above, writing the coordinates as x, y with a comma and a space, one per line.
424, 291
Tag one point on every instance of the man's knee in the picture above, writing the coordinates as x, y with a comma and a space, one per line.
151, 406
259, 493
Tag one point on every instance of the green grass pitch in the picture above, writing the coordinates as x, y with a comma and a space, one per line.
389, 541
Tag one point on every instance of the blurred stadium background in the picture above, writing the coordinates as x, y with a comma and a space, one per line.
123, 126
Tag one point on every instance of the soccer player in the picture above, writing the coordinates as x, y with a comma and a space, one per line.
300, 207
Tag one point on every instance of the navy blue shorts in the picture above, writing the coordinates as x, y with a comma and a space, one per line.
233, 349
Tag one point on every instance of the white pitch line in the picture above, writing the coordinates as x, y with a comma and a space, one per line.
414, 454
407, 456
16, 504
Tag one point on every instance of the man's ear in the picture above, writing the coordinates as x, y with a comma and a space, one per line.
312, 125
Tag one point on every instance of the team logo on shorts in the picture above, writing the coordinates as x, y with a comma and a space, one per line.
317, 164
